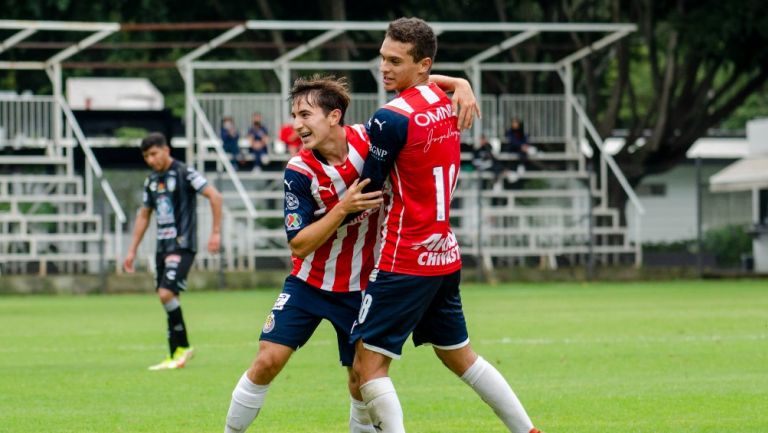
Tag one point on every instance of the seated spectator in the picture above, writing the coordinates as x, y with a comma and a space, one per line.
230, 138
484, 159
291, 139
258, 136
517, 142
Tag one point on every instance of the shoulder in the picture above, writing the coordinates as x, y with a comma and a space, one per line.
299, 164
386, 119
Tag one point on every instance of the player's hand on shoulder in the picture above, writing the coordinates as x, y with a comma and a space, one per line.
355, 200
465, 105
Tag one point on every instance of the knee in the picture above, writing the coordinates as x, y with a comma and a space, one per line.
265, 368
457, 360
165, 295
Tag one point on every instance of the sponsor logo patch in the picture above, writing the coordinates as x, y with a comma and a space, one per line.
269, 324
291, 201
282, 299
293, 221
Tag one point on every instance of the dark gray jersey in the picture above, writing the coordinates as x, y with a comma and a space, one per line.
172, 195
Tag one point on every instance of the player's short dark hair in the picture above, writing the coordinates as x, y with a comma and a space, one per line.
417, 32
153, 139
325, 91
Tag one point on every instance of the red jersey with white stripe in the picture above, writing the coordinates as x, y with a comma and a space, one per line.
312, 188
415, 145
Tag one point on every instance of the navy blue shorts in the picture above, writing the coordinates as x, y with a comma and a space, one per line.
172, 270
394, 305
299, 309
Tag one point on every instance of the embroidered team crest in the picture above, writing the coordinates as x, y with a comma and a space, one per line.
269, 324
291, 201
293, 221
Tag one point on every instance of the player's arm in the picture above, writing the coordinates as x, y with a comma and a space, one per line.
311, 237
142, 222
463, 98
214, 197
388, 132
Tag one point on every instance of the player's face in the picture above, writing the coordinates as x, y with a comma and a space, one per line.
311, 124
398, 70
158, 158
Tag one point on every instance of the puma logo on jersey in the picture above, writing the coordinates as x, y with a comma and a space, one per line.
288, 184
381, 124
324, 188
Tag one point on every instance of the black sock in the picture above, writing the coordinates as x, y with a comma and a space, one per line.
177, 331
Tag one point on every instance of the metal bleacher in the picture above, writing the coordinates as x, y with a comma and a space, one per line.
555, 211
47, 218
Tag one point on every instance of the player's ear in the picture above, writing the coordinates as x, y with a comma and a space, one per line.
335, 117
425, 65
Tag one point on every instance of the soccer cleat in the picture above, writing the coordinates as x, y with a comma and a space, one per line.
167, 364
182, 355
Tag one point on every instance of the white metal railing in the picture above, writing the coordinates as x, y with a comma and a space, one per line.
543, 115
95, 170
24, 118
607, 159
223, 157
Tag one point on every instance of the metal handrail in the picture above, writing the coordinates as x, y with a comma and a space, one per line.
218, 147
92, 161
606, 156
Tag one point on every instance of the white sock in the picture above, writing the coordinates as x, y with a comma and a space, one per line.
491, 386
359, 418
247, 399
383, 406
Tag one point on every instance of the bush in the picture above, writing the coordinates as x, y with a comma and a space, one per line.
729, 244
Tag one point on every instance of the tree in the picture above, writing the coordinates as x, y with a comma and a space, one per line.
691, 65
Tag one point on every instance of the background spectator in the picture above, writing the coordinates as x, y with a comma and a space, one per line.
230, 138
517, 142
259, 140
291, 139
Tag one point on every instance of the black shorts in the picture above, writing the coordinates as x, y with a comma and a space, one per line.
394, 305
299, 309
172, 269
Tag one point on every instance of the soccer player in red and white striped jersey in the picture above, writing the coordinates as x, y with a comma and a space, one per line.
332, 262
313, 187
415, 286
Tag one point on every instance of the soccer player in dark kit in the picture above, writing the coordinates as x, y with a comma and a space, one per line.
171, 191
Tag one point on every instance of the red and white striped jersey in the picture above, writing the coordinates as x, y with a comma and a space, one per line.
312, 188
415, 144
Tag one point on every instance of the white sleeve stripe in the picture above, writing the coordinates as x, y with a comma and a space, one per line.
356, 159
428, 94
401, 104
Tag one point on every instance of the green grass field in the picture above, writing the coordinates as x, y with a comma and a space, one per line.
630, 357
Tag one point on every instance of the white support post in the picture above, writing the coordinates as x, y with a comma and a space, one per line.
54, 74
477, 86
381, 92
284, 75
188, 75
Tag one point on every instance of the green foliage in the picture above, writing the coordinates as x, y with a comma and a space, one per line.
130, 133
728, 243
